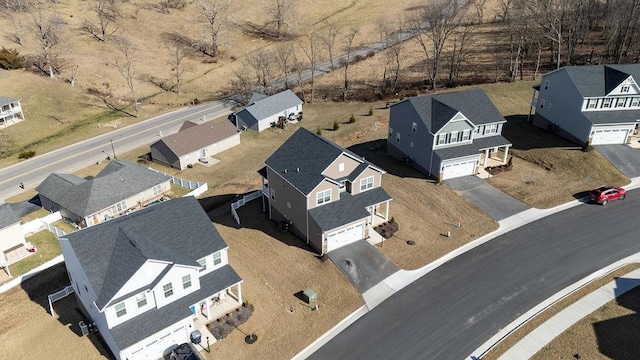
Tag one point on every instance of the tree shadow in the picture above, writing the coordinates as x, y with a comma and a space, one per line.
525, 136
375, 152
618, 337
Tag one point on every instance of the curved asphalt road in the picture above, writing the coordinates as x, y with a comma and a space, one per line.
454, 309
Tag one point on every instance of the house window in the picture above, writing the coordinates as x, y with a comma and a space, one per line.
366, 183
620, 102
591, 103
203, 263
323, 197
635, 101
546, 84
186, 281
390, 132
157, 190
414, 128
466, 135
411, 144
341, 167
398, 137
121, 309
491, 129
624, 89
454, 137
217, 258
606, 103
476, 130
542, 104
119, 207
442, 139
168, 290
141, 299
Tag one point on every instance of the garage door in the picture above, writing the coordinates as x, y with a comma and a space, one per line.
609, 136
459, 169
345, 236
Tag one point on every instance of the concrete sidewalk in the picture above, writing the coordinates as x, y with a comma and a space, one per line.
396, 282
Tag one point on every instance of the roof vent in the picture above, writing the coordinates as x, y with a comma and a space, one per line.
122, 179
297, 169
285, 171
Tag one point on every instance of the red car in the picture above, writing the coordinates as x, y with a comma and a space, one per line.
604, 194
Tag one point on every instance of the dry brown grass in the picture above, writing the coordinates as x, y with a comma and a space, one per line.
580, 338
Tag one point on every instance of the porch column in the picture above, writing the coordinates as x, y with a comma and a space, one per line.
208, 307
486, 157
240, 293
506, 154
386, 212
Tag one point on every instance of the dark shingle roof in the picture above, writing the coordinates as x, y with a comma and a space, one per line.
304, 156
116, 182
612, 117
599, 80
176, 231
7, 100
472, 149
436, 110
155, 320
350, 208
266, 107
7, 216
193, 137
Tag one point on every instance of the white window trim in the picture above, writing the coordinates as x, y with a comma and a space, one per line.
186, 284
635, 101
414, 128
592, 103
607, 103
321, 197
442, 139
366, 183
123, 311
454, 137
142, 297
341, 167
157, 190
164, 290
203, 263
623, 102
625, 88
218, 258
398, 137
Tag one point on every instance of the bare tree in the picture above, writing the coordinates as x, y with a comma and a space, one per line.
74, 75
47, 27
107, 12
505, 10
621, 23
14, 5
462, 47
312, 52
125, 64
437, 21
261, 63
281, 14
479, 6
284, 54
328, 38
242, 84
299, 67
18, 34
177, 54
349, 48
213, 17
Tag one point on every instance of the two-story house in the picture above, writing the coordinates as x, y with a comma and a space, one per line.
447, 135
264, 111
329, 195
589, 105
10, 111
13, 246
150, 279
119, 188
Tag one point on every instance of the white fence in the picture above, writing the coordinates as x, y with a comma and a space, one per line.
59, 295
193, 185
18, 280
254, 195
204, 187
36, 225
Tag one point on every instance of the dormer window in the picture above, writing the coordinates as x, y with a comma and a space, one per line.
620, 102
203, 263
624, 89
217, 258
591, 103
466, 134
141, 299
323, 197
366, 183
121, 309
442, 139
635, 102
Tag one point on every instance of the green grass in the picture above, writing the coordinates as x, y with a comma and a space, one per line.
48, 247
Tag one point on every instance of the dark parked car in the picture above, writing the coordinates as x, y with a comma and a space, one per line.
184, 352
604, 194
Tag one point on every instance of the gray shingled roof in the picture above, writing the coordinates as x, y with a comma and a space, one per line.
271, 105
118, 181
599, 80
7, 100
436, 110
153, 321
612, 117
257, 97
7, 216
350, 208
304, 156
176, 231
472, 149
192, 138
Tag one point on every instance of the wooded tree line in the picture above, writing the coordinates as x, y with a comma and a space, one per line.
528, 36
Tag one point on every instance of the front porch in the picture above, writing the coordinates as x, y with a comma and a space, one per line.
214, 307
492, 157
379, 215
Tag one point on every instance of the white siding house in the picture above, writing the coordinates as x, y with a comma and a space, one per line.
264, 112
13, 246
155, 279
10, 111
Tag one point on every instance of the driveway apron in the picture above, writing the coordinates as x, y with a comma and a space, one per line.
624, 157
362, 264
487, 198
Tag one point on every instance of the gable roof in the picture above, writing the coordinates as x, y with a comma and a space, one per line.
266, 107
193, 137
7, 100
8, 217
177, 232
118, 181
436, 111
256, 97
599, 80
304, 156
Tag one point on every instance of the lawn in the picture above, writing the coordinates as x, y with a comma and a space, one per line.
47, 247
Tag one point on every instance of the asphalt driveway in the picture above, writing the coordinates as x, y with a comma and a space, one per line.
362, 264
487, 198
624, 157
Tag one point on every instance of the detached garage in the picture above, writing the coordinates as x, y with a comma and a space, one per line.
610, 135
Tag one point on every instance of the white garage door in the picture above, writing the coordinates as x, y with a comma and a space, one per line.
609, 136
345, 236
459, 169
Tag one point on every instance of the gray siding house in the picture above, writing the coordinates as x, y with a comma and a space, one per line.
447, 135
119, 188
330, 196
264, 112
589, 105
194, 142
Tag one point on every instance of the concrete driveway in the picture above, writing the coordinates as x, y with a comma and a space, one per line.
624, 157
362, 264
487, 198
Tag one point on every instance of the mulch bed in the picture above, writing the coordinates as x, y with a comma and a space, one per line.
387, 230
222, 327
